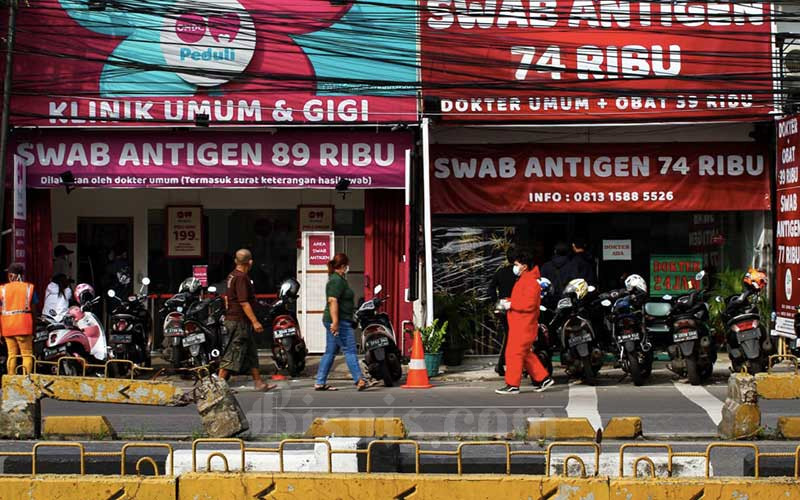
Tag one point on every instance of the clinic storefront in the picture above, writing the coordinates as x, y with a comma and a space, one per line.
661, 210
180, 204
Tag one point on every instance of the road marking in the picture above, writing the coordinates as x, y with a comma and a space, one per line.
700, 396
583, 403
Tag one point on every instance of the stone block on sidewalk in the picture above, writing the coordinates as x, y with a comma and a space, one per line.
742, 388
218, 408
739, 420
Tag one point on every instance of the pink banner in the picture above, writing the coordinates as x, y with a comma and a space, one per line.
286, 159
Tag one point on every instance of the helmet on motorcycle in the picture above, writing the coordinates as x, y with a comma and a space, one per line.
546, 285
754, 279
289, 289
577, 287
84, 293
634, 282
190, 285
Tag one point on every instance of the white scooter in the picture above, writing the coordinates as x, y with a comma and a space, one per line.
83, 336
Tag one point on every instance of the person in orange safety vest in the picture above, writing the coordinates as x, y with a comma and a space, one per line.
16, 318
523, 327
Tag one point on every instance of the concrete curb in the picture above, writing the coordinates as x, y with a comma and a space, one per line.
559, 429
623, 428
357, 427
85, 426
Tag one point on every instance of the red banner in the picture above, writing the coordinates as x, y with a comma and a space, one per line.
597, 60
599, 177
787, 235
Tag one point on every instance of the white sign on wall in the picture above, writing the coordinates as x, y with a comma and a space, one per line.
616, 249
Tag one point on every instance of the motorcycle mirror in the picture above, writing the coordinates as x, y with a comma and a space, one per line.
146, 281
542, 308
212, 289
699, 276
112, 293
591, 288
378, 289
606, 303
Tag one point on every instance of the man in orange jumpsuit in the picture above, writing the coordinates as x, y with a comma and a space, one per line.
523, 327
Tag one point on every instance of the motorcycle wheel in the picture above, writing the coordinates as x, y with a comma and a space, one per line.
175, 357
647, 366
294, 365
71, 368
755, 366
692, 371
634, 368
547, 361
589, 374
386, 374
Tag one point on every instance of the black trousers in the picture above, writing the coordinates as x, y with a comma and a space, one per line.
501, 361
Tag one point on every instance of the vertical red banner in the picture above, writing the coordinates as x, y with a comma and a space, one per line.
20, 212
787, 235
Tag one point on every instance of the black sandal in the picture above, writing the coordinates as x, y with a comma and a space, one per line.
324, 387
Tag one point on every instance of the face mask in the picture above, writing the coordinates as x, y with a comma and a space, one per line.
517, 270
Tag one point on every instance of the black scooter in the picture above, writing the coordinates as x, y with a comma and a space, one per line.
624, 322
381, 354
748, 342
129, 334
288, 347
581, 354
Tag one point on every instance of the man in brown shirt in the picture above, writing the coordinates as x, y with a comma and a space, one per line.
240, 321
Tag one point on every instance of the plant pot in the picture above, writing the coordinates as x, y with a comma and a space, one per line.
432, 363
454, 356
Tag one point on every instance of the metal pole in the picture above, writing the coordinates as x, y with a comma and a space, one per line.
12, 22
426, 201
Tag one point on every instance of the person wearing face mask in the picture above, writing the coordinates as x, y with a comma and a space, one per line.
523, 327
241, 356
339, 325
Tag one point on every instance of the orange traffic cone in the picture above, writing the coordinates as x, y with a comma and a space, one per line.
417, 373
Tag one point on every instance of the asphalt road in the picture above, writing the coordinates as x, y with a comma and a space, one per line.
668, 407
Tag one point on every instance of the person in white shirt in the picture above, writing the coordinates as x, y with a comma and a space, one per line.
58, 296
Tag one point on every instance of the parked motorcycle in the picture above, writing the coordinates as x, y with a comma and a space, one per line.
206, 337
130, 327
288, 347
381, 354
174, 311
625, 325
80, 336
581, 354
681, 325
746, 336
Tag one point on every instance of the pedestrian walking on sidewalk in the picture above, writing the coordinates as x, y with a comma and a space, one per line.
523, 327
339, 325
16, 321
241, 355
500, 288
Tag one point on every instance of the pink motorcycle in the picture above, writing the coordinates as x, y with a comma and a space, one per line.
82, 336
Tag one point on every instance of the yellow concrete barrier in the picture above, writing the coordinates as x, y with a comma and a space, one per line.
623, 428
719, 489
560, 428
357, 427
93, 426
789, 427
62, 487
778, 385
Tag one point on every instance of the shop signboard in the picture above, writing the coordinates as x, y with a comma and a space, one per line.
674, 274
20, 212
597, 61
218, 62
787, 235
289, 159
569, 178
616, 249
184, 230
320, 249
201, 273
315, 218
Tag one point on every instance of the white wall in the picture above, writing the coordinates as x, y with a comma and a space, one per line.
135, 203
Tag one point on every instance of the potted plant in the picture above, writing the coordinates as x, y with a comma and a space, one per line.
432, 339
